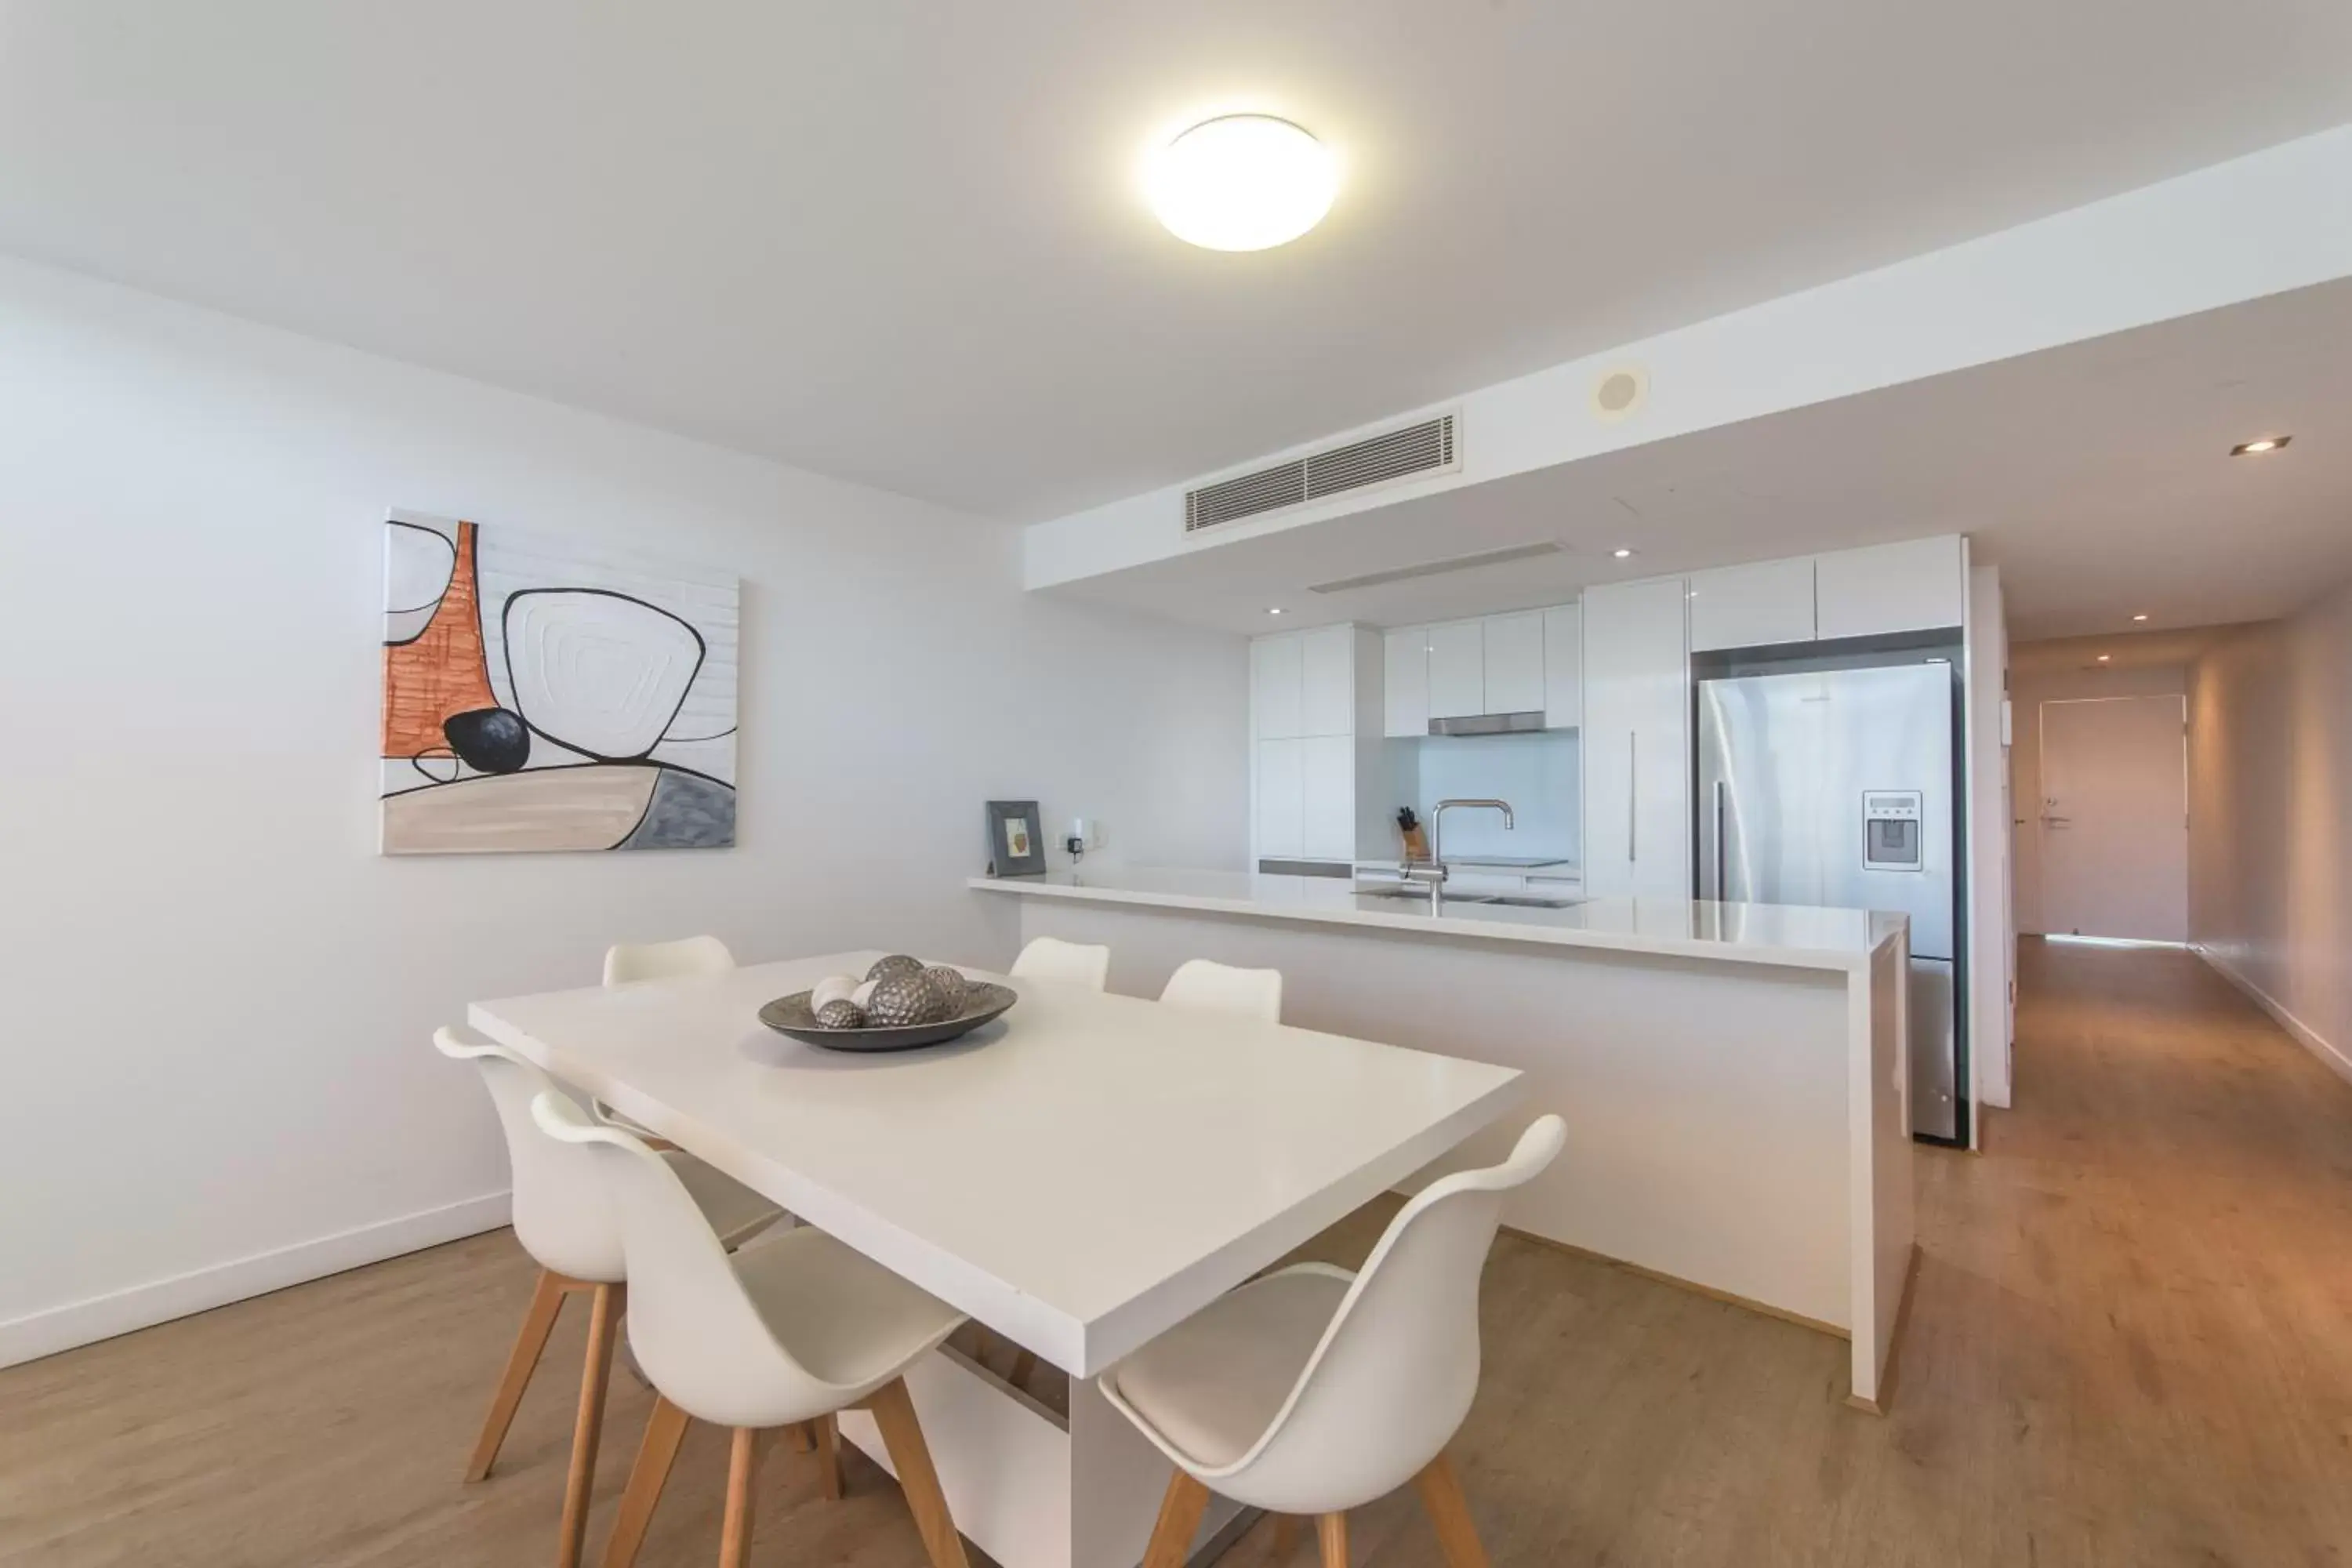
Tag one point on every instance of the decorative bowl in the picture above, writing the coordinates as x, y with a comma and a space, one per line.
791, 1016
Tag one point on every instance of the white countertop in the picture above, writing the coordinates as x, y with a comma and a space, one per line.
1784, 935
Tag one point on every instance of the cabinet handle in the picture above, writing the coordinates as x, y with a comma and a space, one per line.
1722, 844
1633, 796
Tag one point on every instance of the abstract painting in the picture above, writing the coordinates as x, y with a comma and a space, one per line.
538, 695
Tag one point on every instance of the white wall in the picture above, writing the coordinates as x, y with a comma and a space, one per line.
2029, 689
2270, 793
219, 1078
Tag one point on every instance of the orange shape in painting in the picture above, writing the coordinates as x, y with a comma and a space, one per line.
442, 671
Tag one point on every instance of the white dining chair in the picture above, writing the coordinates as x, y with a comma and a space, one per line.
565, 1221
793, 1329
1221, 988
632, 961
1070, 962
1314, 1391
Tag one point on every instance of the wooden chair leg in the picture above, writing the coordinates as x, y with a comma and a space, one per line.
894, 1413
1441, 1494
828, 1456
665, 1430
538, 1322
735, 1529
1181, 1508
800, 1437
588, 1427
1286, 1536
1331, 1532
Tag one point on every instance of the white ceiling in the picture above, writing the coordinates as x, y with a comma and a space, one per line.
2097, 476
899, 242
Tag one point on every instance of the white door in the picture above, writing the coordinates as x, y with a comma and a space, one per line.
1457, 671
1281, 798
1278, 678
2115, 817
1327, 701
1637, 757
1406, 686
1328, 791
1514, 663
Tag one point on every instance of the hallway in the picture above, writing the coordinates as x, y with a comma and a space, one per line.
2131, 1348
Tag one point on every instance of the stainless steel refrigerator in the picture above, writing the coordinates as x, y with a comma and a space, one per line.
1836, 787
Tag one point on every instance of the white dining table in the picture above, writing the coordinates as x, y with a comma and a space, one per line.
1079, 1176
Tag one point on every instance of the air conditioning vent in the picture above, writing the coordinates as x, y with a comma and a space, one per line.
1427, 448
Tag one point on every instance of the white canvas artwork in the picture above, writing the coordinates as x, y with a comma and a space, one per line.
538, 695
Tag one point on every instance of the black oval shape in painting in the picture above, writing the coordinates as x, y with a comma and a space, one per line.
489, 740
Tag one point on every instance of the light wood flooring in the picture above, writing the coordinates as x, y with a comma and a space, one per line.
2132, 1346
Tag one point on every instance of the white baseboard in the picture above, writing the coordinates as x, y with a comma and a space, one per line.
141, 1306
2308, 1037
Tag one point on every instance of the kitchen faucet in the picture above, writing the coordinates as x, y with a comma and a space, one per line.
1437, 839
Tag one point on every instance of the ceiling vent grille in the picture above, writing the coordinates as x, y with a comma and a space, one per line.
1428, 447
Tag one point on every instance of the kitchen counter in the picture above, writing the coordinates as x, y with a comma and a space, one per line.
1784, 936
1734, 1077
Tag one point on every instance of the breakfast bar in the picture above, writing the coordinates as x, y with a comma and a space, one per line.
1733, 1075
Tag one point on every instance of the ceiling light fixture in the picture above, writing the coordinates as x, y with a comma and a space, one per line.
1241, 182
2141, 616
1275, 611
2106, 657
1622, 551
2259, 444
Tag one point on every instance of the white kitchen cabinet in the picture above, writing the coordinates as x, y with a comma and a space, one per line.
1636, 741
1918, 585
1563, 701
1328, 797
1277, 680
1752, 607
1281, 798
1405, 685
1457, 670
1514, 674
1327, 700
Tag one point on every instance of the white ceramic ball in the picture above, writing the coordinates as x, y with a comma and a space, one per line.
832, 988
863, 994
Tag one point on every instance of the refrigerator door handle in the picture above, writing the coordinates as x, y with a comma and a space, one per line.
1722, 844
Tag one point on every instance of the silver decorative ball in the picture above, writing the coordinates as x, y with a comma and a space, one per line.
904, 998
896, 964
950, 984
841, 1014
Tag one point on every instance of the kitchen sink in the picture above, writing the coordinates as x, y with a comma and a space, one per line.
1525, 901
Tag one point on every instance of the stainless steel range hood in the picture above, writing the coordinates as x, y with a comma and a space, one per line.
1489, 723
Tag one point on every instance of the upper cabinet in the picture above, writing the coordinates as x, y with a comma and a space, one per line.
1405, 686
1918, 585
1304, 683
1514, 663
1750, 606
1457, 670
1563, 630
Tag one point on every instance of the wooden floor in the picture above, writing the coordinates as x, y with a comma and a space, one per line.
2132, 1346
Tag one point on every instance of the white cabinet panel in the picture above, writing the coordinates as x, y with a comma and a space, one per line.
1327, 790
1277, 676
1563, 701
1750, 606
1327, 703
1405, 685
1457, 670
1514, 663
1907, 587
1281, 797
1636, 742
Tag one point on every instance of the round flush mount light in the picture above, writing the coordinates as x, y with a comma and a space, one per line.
1241, 182
2259, 444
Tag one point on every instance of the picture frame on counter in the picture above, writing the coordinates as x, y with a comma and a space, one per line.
1016, 839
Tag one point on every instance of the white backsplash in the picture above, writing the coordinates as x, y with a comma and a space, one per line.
1537, 774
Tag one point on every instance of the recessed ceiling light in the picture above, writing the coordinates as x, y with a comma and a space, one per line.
1620, 553
2105, 657
1243, 181
1275, 611
2141, 616
2259, 444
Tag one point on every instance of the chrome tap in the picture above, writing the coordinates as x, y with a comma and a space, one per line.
1437, 839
